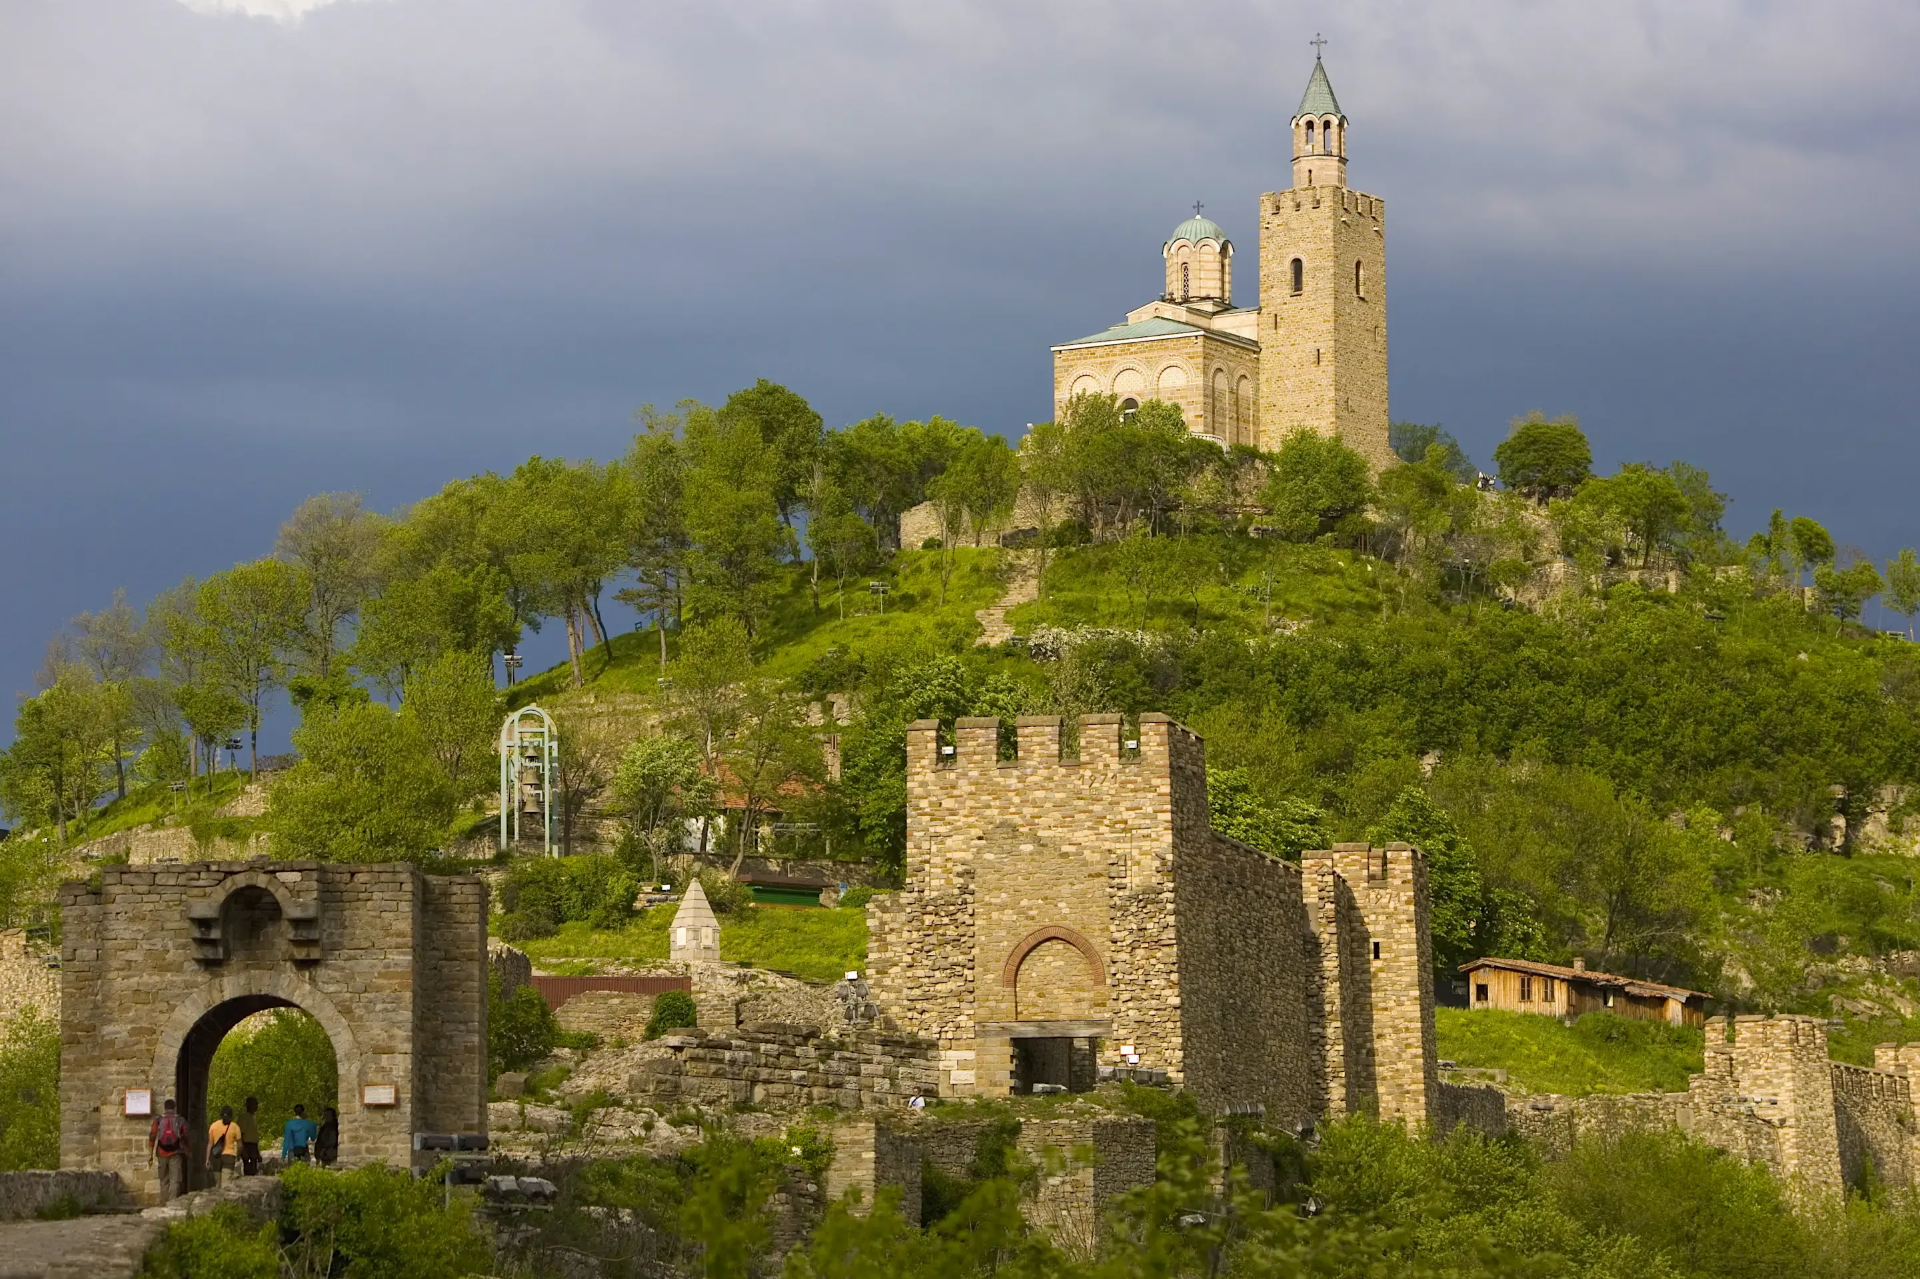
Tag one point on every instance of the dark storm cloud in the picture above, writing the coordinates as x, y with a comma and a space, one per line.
243, 259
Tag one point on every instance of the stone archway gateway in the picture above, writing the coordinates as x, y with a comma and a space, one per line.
159, 963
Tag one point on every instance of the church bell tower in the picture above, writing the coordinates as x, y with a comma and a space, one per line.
1323, 292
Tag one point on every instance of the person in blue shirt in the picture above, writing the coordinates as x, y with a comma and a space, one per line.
296, 1142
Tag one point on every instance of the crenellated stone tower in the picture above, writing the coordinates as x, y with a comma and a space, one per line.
1070, 915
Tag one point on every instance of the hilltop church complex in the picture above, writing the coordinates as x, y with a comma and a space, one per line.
1312, 355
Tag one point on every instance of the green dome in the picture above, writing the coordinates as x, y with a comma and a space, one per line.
1197, 229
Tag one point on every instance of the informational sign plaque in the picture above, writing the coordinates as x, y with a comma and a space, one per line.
379, 1095
138, 1101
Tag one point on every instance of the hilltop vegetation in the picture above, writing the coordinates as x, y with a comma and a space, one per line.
1618, 733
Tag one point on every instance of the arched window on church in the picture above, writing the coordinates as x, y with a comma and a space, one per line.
1359, 280
1128, 407
1299, 275
1326, 137
1186, 282
1309, 137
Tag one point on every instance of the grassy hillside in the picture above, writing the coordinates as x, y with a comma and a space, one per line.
1600, 1053
817, 944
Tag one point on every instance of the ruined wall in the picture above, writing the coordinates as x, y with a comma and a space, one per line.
1553, 1122
783, 1065
1084, 1162
511, 966
1373, 980
1482, 1108
868, 1157
25, 979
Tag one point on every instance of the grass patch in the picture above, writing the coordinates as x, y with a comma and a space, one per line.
150, 803
819, 945
1600, 1053
1226, 578
793, 636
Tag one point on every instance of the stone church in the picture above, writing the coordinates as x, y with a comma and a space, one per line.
1312, 354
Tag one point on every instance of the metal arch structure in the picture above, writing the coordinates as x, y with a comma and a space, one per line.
529, 758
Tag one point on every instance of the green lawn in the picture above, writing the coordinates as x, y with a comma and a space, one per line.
817, 944
1598, 1053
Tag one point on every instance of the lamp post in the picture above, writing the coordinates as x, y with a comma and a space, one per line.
879, 590
511, 660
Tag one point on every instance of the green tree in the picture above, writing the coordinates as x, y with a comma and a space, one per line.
445, 609
839, 539
29, 1089
563, 526
335, 542
1641, 509
733, 518
657, 541
1843, 592
1316, 483
452, 703
521, 1029
1283, 828
1903, 586
1454, 886
114, 645
366, 789
1812, 546
660, 785
252, 615
62, 743
282, 1057
1544, 459
1411, 442
792, 433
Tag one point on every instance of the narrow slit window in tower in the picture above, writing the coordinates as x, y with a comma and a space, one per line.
1185, 282
1359, 280
1299, 276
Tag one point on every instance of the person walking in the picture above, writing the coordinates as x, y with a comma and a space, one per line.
223, 1147
296, 1140
167, 1144
250, 1138
326, 1145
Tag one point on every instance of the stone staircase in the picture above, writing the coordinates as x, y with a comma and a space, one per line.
1023, 585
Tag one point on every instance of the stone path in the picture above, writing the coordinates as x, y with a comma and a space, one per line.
1023, 585
112, 1246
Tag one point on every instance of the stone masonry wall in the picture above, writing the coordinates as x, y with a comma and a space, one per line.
785, 1065
25, 980
1243, 1019
1874, 1120
1768, 1096
1368, 908
159, 962
868, 1157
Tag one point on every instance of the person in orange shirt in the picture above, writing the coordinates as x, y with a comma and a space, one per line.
223, 1147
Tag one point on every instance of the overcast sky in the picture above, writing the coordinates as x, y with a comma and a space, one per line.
256, 249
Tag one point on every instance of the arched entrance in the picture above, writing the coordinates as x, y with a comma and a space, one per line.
159, 964
194, 1075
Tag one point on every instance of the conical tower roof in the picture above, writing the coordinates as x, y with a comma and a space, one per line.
1319, 99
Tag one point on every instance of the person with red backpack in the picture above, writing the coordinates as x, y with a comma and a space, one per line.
167, 1142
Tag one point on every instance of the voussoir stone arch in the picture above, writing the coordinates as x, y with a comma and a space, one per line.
1010, 971
290, 990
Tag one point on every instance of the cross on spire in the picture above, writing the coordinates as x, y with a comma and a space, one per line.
1318, 42
1197, 206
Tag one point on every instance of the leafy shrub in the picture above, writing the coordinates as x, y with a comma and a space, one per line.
725, 893
856, 898
671, 1009
541, 893
521, 1029
223, 1244
29, 1092
378, 1223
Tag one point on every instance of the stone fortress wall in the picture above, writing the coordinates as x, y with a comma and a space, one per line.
1082, 905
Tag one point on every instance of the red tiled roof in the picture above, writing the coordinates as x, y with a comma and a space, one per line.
1632, 985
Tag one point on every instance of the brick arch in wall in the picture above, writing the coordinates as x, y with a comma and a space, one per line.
1056, 975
